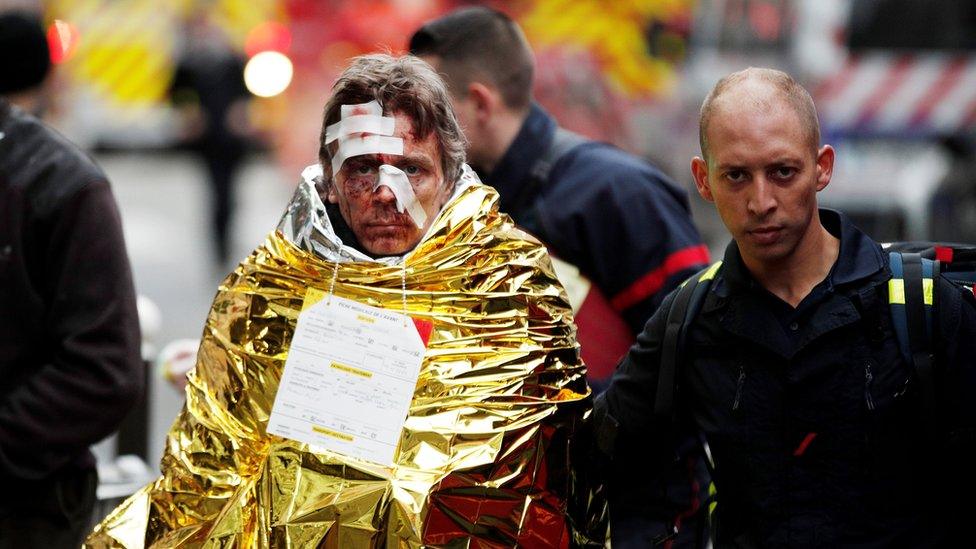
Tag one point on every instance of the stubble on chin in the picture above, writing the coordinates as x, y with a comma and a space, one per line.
388, 240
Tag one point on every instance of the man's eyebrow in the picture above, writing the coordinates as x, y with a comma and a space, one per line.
417, 159
783, 161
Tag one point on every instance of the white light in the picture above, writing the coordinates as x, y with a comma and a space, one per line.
268, 73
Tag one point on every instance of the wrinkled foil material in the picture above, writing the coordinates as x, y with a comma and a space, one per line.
484, 457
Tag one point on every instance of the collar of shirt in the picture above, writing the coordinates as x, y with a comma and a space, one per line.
531, 142
859, 257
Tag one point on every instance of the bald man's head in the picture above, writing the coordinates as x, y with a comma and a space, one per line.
763, 90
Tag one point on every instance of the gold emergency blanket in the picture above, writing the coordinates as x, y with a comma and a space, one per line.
484, 457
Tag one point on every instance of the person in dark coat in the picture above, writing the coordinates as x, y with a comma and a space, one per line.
70, 367
792, 372
623, 227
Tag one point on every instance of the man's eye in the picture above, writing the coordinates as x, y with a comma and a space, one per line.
735, 176
784, 172
362, 169
411, 170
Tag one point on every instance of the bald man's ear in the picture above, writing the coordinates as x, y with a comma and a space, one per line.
825, 166
699, 170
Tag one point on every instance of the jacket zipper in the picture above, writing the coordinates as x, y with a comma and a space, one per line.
868, 378
738, 388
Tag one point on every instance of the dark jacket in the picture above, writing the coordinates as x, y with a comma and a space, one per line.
623, 223
811, 415
69, 337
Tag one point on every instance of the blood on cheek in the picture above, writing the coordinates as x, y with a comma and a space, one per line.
358, 185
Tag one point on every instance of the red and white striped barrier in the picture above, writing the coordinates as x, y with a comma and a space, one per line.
900, 94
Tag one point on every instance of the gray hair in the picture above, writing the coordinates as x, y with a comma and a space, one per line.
400, 84
795, 96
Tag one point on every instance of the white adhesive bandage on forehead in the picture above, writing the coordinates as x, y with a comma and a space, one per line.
362, 130
360, 123
399, 183
373, 107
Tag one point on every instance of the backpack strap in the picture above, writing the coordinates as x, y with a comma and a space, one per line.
684, 308
523, 205
562, 142
911, 297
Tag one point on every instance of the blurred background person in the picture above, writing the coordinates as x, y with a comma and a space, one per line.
69, 331
211, 99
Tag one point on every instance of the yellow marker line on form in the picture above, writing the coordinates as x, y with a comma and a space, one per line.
351, 370
331, 433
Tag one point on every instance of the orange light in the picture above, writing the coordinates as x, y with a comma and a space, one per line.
268, 36
62, 39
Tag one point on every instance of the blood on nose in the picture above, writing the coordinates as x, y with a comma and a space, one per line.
383, 193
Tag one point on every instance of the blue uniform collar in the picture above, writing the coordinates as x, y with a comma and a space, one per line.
531, 142
859, 257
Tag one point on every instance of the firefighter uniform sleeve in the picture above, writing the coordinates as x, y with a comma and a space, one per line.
625, 224
640, 452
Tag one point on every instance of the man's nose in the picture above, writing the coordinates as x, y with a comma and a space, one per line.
384, 194
762, 200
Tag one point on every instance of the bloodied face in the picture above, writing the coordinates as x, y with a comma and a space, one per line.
371, 210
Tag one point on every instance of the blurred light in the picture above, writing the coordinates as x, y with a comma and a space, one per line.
766, 21
268, 36
268, 73
62, 39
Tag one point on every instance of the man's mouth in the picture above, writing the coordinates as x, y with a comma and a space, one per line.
387, 225
766, 234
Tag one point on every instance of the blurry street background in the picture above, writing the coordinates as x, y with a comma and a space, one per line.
894, 81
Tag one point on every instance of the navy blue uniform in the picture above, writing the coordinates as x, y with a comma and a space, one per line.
811, 414
623, 223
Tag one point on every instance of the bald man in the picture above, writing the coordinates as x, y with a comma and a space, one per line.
790, 371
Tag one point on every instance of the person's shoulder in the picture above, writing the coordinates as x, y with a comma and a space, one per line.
595, 168
599, 177
36, 155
